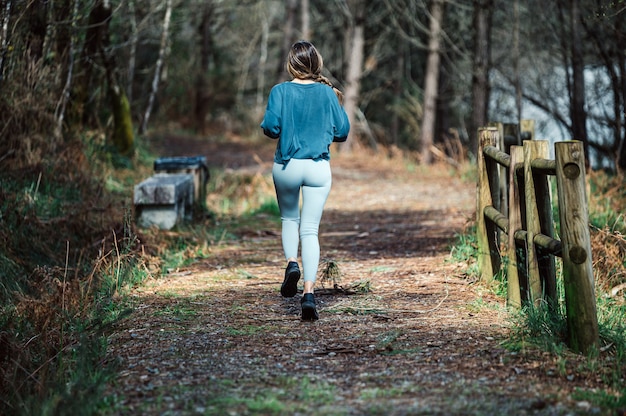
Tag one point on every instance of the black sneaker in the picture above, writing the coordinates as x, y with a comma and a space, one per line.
289, 288
309, 312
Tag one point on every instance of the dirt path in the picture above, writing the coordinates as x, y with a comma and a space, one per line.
217, 338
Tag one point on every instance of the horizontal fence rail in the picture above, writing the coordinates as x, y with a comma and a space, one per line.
514, 198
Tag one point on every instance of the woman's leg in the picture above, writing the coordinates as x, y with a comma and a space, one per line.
316, 187
287, 182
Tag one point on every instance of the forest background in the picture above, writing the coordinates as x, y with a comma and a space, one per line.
83, 83
414, 73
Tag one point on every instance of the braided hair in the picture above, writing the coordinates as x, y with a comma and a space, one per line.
305, 62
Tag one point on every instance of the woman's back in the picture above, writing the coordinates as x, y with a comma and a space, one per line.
307, 118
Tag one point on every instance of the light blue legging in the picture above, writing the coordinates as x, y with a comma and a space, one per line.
315, 179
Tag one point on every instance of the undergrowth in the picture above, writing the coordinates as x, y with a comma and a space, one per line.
68, 250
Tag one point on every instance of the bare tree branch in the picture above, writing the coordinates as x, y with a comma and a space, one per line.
159, 65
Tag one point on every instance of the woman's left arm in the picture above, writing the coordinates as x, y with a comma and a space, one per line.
271, 121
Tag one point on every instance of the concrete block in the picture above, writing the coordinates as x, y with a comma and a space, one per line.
193, 165
163, 200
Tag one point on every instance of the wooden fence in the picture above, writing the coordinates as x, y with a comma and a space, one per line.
514, 199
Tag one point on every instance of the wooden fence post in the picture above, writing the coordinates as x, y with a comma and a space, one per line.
502, 202
487, 192
527, 129
580, 298
533, 149
545, 259
514, 253
510, 137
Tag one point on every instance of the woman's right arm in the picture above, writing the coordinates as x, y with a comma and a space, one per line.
341, 124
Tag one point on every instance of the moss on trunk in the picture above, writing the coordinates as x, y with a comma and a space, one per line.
123, 137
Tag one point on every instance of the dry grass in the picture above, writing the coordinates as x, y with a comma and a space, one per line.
238, 192
609, 252
608, 242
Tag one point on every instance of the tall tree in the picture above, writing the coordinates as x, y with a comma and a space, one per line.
132, 52
5, 14
83, 105
36, 17
289, 37
578, 113
305, 13
159, 65
354, 11
516, 62
67, 88
431, 81
620, 120
481, 67
604, 26
202, 83
122, 136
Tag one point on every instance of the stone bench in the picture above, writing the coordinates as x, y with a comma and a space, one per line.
164, 200
193, 165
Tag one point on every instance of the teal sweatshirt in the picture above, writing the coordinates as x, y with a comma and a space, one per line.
306, 119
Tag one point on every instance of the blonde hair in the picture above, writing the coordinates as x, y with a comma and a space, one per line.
305, 62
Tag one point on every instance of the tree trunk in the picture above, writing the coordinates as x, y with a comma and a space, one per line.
123, 137
159, 65
69, 73
291, 7
397, 93
480, 71
260, 91
36, 16
306, 19
431, 82
578, 113
516, 61
613, 57
81, 106
4, 36
355, 67
132, 53
202, 82
60, 36
620, 98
